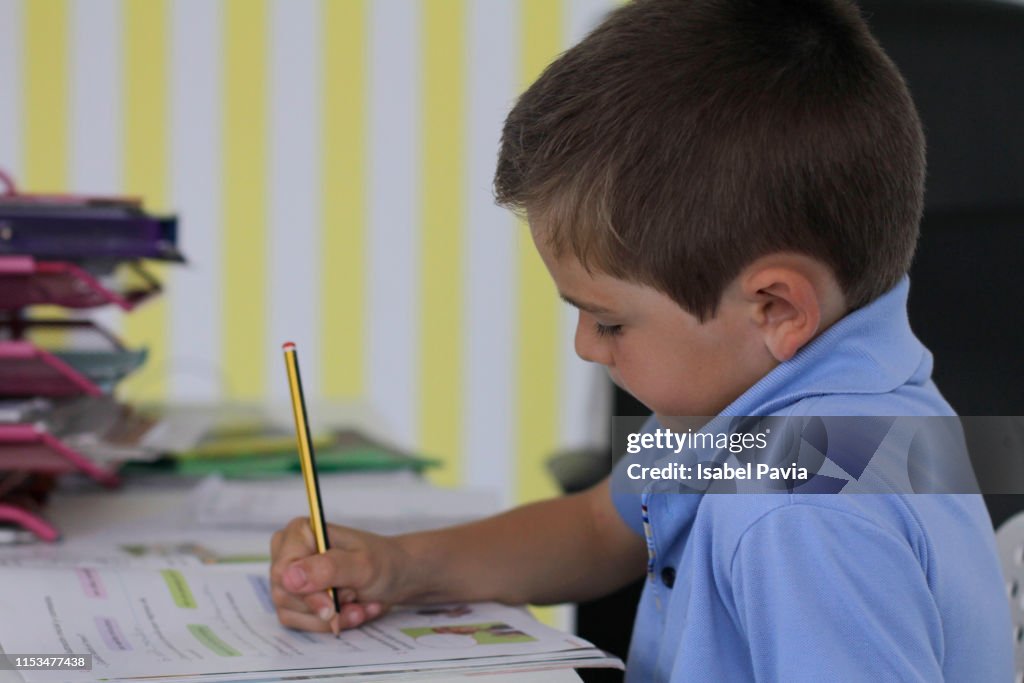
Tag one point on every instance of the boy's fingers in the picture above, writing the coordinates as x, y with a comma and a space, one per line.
352, 615
333, 568
283, 600
305, 622
316, 612
294, 578
320, 604
293, 542
341, 537
298, 534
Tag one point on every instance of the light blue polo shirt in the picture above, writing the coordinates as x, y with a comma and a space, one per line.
800, 587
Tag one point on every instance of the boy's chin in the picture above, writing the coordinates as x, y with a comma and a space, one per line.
663, 413
623, 387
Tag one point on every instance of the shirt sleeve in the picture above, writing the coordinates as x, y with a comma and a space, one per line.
826, 595
625, 498
626, 494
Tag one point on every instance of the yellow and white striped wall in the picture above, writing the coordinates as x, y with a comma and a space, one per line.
331, 162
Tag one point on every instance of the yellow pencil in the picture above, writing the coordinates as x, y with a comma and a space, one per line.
307, 458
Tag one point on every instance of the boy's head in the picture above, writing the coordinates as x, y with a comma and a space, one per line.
684, 142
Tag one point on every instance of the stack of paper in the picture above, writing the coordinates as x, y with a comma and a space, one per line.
77, 252
218, 623
391, 503
98, 427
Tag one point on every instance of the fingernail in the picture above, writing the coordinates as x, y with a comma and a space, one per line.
295, 577
326, 613
372, 610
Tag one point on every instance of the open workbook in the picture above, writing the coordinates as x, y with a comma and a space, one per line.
217, 622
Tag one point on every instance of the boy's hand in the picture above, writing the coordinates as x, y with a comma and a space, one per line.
363, 568
567, 549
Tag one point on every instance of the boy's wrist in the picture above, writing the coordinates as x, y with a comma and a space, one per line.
412, 570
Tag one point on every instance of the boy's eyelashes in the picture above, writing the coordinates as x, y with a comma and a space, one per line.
607, 330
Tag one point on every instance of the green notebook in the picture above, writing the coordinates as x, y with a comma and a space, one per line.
271, 455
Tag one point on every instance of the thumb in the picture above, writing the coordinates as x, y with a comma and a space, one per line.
326, 570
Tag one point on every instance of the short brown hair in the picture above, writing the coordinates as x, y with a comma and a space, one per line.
682, 139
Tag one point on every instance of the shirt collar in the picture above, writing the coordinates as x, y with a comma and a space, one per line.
870, 351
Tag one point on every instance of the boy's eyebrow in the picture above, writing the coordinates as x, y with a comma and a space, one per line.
583, 306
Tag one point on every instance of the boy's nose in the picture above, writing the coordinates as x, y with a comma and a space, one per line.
589, 345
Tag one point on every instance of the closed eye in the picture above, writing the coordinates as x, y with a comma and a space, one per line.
607, 330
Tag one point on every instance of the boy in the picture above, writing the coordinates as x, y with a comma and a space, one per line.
729, 192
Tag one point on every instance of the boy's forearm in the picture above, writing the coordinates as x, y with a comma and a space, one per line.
567, 549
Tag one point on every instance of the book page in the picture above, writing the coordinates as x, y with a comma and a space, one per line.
188, 621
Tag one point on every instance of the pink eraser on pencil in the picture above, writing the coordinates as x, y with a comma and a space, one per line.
288, 346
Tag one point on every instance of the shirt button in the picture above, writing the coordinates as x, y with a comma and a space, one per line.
668, 576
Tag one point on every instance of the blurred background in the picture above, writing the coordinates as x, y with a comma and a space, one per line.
330, 161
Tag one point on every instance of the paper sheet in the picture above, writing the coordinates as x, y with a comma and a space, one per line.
385, 504
144, 550
188, 621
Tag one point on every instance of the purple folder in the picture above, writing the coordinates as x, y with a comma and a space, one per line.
78, 231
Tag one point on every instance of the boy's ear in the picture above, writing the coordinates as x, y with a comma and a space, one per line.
787, 308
